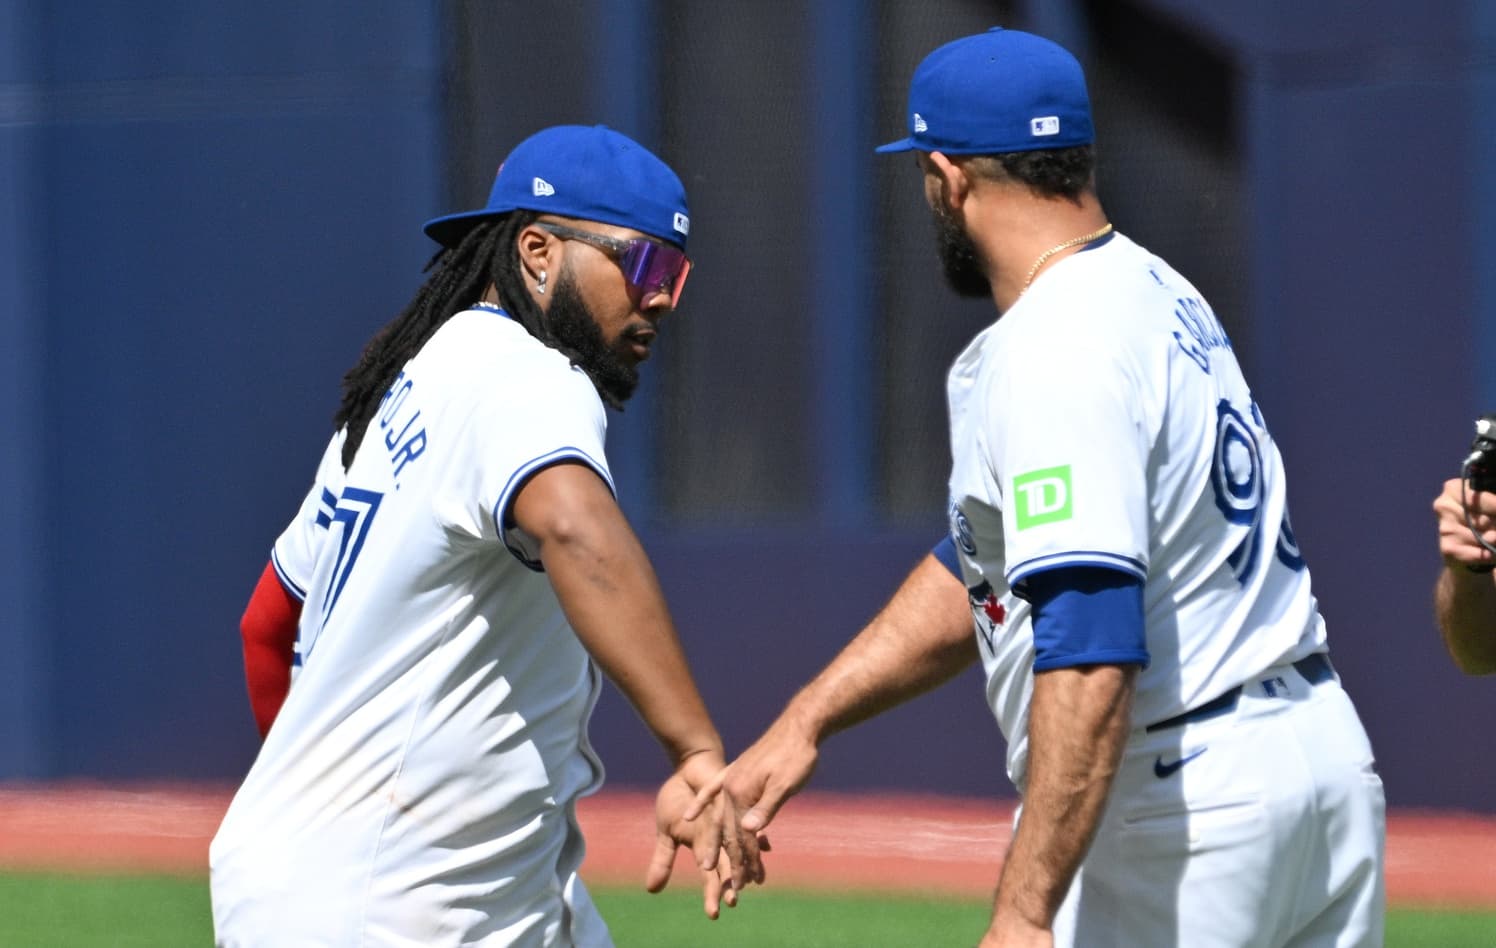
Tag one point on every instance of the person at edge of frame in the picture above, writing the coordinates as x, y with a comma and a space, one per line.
1465, 592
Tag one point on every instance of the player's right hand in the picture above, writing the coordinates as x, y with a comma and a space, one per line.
764, 776
1456, 543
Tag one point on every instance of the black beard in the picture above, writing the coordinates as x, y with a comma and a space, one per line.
577, 334
958, 257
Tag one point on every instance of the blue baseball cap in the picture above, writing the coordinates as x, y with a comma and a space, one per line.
997, 92
587, 172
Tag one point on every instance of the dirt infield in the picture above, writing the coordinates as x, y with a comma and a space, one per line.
826, 841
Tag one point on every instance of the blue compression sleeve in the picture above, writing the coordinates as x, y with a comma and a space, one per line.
1087, 615
945, 552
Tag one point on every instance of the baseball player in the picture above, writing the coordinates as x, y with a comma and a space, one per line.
1120, 560
1465, 595
456, 577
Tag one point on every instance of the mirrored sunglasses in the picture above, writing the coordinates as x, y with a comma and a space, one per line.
648, 266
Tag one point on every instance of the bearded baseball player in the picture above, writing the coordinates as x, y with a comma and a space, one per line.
1191, 772
456, 577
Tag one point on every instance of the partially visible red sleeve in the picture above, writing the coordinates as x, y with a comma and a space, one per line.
269, 632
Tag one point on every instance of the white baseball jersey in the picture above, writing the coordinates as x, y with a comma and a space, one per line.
1103, 421
419, 784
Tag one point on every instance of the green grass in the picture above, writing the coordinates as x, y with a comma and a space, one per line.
778, 919
800, 920
1428, 929
171, 912
58, 911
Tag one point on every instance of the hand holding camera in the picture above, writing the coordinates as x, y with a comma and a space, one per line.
1467, 507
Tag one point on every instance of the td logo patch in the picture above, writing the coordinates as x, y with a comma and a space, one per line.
1042, 496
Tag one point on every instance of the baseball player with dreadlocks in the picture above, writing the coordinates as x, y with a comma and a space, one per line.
1119, 560
455, 578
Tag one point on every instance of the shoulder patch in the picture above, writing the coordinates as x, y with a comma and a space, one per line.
1042, 496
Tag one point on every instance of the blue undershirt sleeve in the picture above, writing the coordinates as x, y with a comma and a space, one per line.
945, 552
1087, 615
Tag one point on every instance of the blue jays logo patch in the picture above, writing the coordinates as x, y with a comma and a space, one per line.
983, 598
984, 602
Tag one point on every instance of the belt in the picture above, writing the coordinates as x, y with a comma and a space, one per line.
1315, 668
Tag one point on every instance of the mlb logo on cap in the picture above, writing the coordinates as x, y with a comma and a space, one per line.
1045, 125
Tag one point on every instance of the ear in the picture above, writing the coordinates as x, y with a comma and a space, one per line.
538, 254
950, 181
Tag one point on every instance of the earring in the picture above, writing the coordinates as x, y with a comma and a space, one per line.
540, 283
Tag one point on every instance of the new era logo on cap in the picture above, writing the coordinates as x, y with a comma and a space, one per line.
1045, 125
542, 187
919, 123
682, 223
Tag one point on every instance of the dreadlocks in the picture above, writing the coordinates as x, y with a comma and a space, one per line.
488, 254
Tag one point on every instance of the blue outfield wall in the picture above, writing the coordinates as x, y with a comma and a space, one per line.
23, 679
205, 212
216, 207
1360, 132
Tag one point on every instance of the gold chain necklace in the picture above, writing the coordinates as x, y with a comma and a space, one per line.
1074, 241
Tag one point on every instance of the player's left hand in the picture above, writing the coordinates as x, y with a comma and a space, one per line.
709, 839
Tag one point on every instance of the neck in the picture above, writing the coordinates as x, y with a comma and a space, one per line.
1027, 236
1076, 244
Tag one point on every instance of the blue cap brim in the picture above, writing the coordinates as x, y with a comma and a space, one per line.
452, 228
903, 144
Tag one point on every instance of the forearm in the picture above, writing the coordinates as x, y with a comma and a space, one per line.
612, 600
921, 639
1078, 725
1465, 606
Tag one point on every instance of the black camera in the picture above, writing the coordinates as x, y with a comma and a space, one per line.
1479, 474
1480, 467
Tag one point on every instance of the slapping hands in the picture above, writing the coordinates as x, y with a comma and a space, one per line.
767, 774
710, 830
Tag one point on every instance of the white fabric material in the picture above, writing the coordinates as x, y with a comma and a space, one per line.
419, 785
1270, 835
1103, 420
1097, 372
